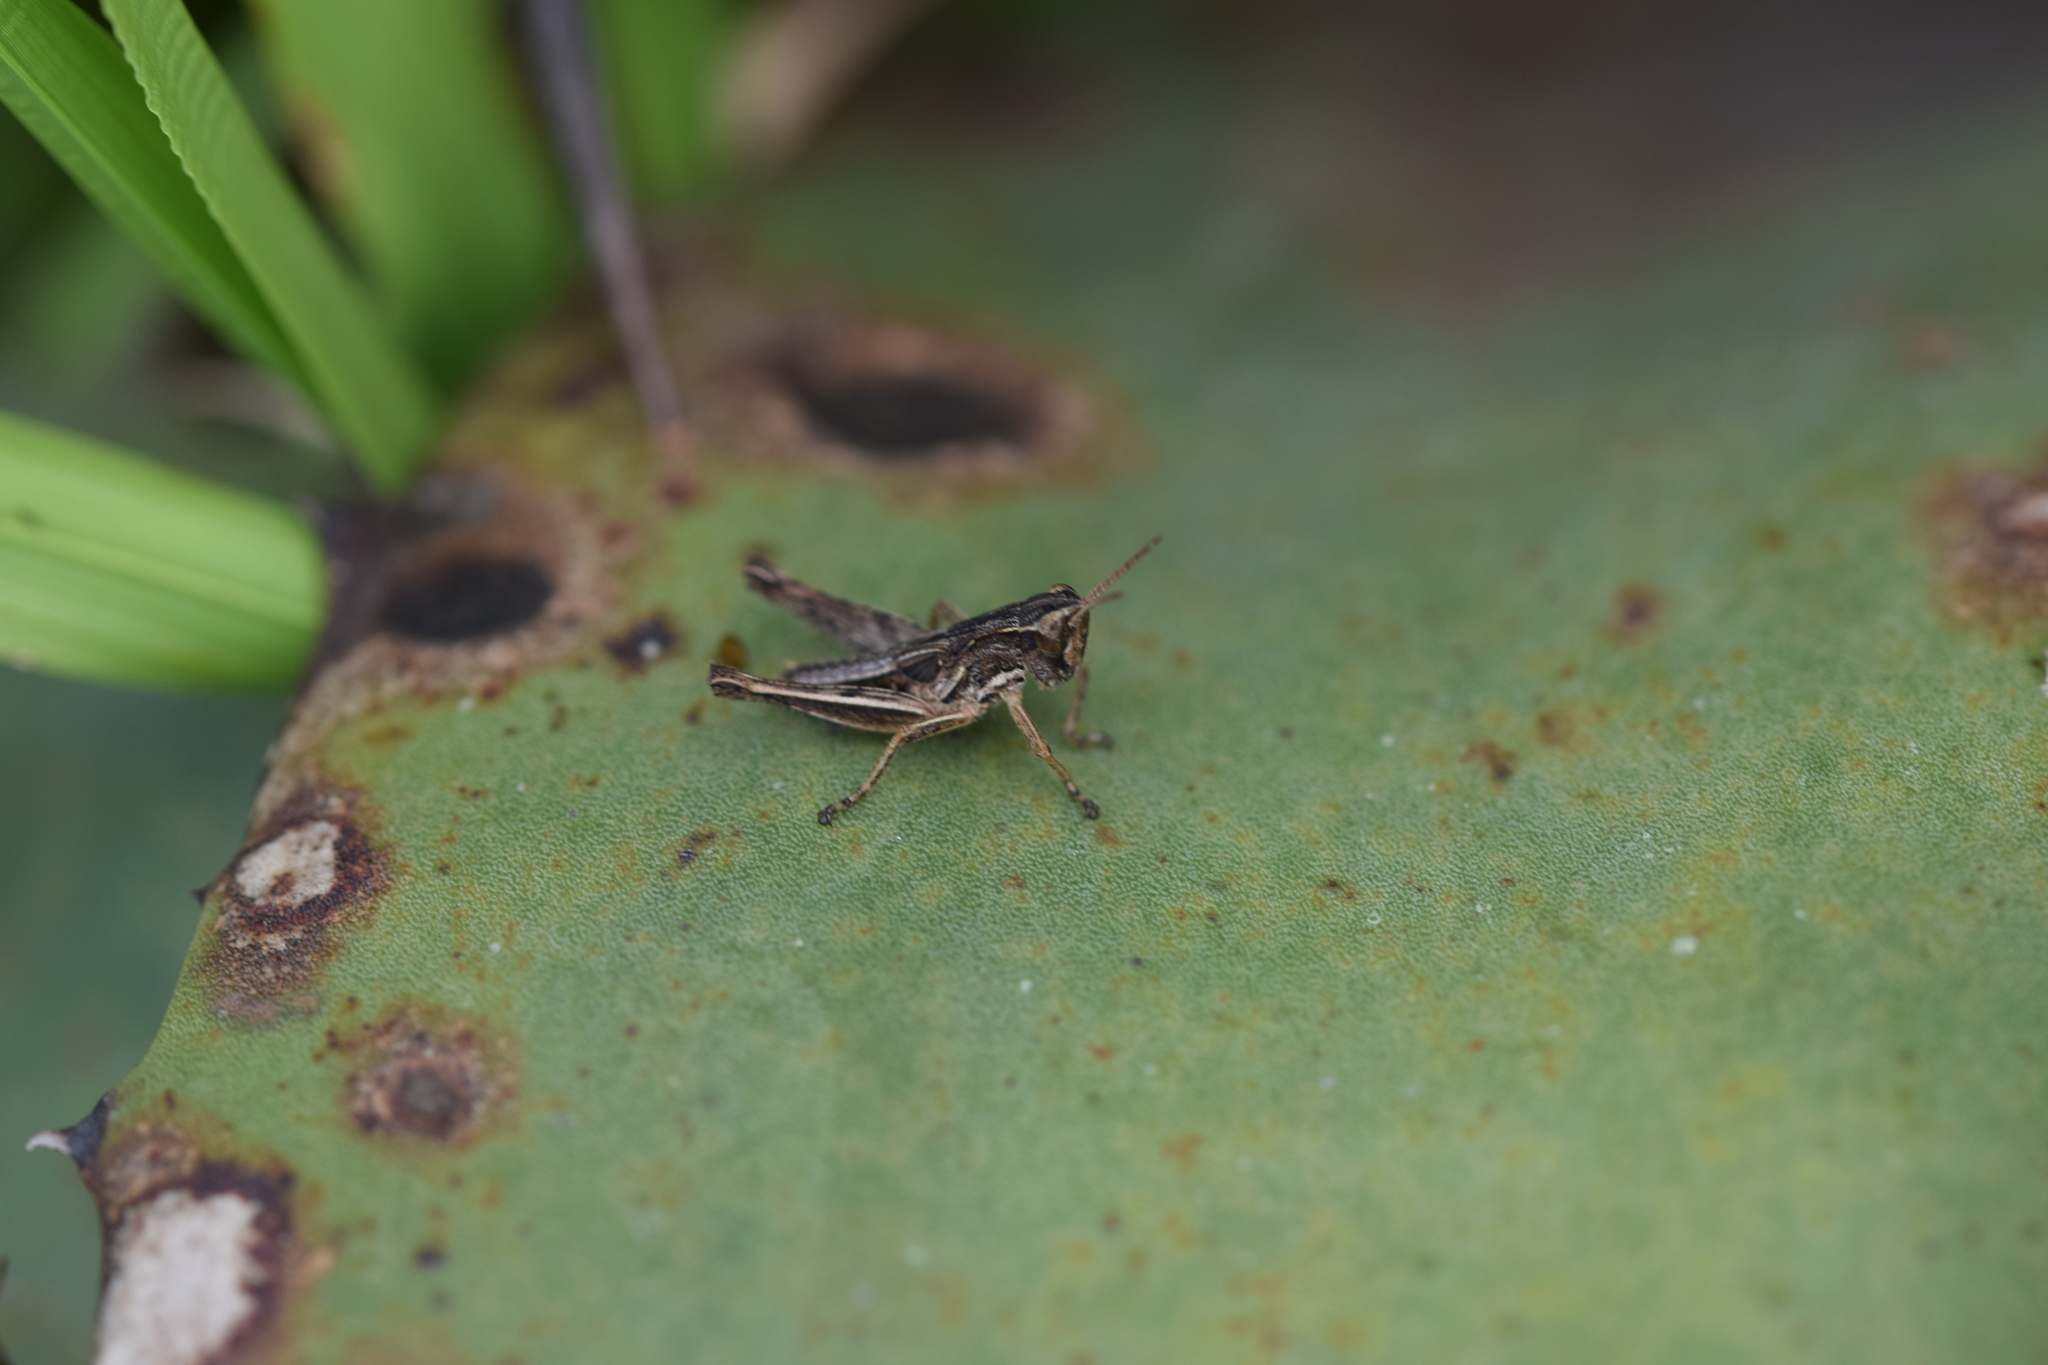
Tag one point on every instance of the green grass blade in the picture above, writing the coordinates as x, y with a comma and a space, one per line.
116, 568
661, 60
65, 80
417, 138
368, 387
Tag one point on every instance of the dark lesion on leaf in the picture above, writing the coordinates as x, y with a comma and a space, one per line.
421, 1073
645, 642
938, 413
466, 596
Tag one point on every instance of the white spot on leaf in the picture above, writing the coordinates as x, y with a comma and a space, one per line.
185, 1279
291, 869
1685, 945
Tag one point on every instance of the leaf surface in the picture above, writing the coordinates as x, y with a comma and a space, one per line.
1569, 883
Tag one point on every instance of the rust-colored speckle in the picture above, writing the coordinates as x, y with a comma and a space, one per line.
1558, 728
645, 642
693, 846
731, 651
387, 737
1990, 529
307, 870
1498, 763
425, 1074
1102, 1052
1636, 612
1108, 837
1929, 345
1773, 538
1182, 1150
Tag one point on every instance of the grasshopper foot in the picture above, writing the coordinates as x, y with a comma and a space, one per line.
1089, 810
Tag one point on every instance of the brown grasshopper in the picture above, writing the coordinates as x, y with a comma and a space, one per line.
911, 682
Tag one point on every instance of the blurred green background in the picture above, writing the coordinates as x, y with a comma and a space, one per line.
114, 803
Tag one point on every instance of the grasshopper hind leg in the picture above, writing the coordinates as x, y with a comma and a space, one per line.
909, 734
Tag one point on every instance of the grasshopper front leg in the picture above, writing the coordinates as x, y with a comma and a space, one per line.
1071, 731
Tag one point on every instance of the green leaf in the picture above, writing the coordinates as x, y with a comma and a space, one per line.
116, 568
409, 123
1567, 889
661, 61
63, 77
353, 369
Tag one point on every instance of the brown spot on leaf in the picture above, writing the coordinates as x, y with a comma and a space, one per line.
306, 870
422, 1073
1990, 529
647, 640
1559, 728
1928, 345
387, 737
731, 651
1182, 1150
1498, 763
1636, 611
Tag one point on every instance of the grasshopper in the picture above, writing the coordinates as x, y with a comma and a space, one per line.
911, 682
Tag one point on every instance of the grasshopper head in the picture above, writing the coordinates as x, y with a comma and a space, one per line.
1062, 629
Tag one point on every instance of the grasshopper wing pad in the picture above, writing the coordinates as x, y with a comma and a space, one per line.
867, 629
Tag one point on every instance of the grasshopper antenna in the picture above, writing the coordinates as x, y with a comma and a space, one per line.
1095, 594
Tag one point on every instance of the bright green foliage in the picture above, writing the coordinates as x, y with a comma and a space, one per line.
661, 63
1479, 957
64, 78
368, 388
409, 120
116, 568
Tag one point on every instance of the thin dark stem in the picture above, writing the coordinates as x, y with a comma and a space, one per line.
558, 50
